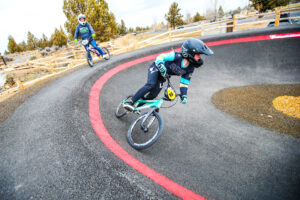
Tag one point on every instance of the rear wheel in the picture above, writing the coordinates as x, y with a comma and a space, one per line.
121, 111
144, 131
106, 52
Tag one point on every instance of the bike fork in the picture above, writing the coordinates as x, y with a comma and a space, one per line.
143, 127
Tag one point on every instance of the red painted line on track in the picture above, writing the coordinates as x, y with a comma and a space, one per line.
254, 38
101, 131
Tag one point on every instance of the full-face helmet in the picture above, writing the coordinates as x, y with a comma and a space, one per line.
194, 46
81, 16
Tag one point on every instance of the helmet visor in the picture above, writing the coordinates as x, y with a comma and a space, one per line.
207, 51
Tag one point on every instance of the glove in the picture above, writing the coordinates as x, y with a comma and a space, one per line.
75, 40
94, 35
162, 69
183, 99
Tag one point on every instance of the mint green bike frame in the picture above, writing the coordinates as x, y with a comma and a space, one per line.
152, 104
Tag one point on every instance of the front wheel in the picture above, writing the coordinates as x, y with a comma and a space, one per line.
106, 52
89, 60
144, 131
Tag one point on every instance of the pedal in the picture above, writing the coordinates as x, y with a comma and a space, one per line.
138, 112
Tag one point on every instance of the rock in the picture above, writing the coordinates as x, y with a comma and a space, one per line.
44, 53
2, 79
48, 49
8, 59
54, 48
6, 81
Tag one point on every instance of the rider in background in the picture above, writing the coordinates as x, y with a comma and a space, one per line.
86, 31
173, 63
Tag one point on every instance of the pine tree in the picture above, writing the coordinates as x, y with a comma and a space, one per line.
122, 28
263, 5
102, 21
188, 18
97, 13
198, 17
22, 46
72, 8
130, 30
174, 17
220, 12
12, 45
59, 37
44, 42
32, 41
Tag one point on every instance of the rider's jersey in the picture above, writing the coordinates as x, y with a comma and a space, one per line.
173, 61
85, 31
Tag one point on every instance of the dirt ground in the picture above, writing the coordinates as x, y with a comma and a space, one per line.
8, 106
255, 104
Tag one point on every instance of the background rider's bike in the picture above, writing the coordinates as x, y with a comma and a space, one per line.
89, 49
147, 127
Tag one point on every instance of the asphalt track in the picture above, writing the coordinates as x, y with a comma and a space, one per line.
50, 150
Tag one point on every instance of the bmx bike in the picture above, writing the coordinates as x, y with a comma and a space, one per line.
89, 49
147, 127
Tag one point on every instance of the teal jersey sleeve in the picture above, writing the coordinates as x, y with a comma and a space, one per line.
185, 81
162, 58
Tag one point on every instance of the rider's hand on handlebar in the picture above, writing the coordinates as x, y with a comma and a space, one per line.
183, 99
75, 40
163, 70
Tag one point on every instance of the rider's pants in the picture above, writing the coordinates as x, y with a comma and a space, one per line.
93, 43
152, 87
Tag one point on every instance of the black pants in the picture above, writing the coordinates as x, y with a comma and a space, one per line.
153, 86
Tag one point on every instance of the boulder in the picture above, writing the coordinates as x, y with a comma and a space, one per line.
8, 59
48, 49
2, 79
7, 81
54, 48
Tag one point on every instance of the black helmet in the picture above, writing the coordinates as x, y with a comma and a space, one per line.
194, 46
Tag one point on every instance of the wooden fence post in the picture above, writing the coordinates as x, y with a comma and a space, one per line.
234, 23
170, 34
21, 86
51, 67
202, 29
27, 59
37, 54
277, 17
55, 60
3, 59
74, 53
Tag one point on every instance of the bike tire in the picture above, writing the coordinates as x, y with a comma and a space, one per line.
90, 60
106, 51
148, 142
120, 111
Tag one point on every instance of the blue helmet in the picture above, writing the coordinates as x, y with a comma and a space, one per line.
194, 46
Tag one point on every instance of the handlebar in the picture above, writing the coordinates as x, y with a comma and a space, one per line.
169, 85
89, 39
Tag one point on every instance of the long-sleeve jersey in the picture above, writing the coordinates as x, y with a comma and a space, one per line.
173, 61
85, 31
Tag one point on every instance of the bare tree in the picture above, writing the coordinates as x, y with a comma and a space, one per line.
215, 7
188, 18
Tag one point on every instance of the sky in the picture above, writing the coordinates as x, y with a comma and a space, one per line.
43, 16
